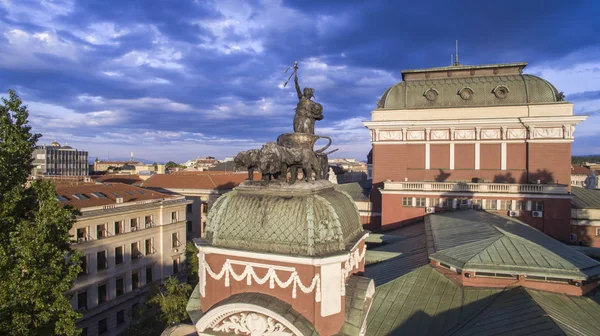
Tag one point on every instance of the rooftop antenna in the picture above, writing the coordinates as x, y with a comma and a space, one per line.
456, 60
451, 59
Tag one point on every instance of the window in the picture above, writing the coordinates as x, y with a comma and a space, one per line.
102, 297
505, 204
597, 232
188, 208
82, 300
135, 251
420, 202
449, 202
120, 286
101, 231
84, 266
140, 191
175, 266
120, 317
102, 326
573, 238
148, 221
135, 281
477, 203
134, 224
81, 235
434, 202
188, 225
149, 274
129, 193
115, 194
119, 255
406, 201
62, 198
521, 205
538, 206
492, 204
175, 240
101, 261
149, 247
81, 197
173, 216
98, 195
205, 208
118, 227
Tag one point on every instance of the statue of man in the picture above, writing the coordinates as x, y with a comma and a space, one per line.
307, 111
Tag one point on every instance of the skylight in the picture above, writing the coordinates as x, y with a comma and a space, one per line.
140, 191
62, 198
81, 197
129, 192
115, 194
98, 195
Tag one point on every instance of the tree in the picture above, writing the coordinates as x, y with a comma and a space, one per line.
171, 165
172, 300
191, 258
37, 265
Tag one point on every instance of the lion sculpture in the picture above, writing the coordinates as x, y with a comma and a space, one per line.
275, 160
250, 160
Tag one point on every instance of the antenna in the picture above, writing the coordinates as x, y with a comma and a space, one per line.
456, 60
451, 59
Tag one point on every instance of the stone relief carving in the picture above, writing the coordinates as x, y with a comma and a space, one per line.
464, 134
568, 131
516, 133
440, 135
390, 135
252, 324
415, 135
490, 134
548, 132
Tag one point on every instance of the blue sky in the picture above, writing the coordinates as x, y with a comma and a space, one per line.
173, 80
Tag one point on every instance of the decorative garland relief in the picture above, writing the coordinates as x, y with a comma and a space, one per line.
227, 271
252, 324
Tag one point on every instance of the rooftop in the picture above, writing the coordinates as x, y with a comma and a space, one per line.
580, 170
585, 198
133, 179
92, 194
484, 242
197, 180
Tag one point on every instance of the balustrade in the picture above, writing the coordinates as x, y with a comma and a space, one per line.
478, 187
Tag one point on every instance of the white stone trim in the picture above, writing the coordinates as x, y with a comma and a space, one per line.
452, 156
443, 142
276, 257
471, 194
477, 155
503, 156
214, 316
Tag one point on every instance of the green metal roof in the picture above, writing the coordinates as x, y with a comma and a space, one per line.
585, 198
355, 190
481, 241
425, 302
522, 90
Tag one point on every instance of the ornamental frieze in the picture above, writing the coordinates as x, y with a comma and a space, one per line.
490, 134
415, 135
440, 135
251, 323
516, 133
390, 135
464, 134
548, 133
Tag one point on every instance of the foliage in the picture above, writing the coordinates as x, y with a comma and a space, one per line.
585, 158
173, 165
37, 265
144, 322
172, 300
191, 258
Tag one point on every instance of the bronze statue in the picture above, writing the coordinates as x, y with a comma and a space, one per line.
249, 160
307, 111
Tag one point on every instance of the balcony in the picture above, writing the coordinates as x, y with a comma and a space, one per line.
504, 188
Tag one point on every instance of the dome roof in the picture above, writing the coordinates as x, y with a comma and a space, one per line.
302, 219
468, 86
55, 144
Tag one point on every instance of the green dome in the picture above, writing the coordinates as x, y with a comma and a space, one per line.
450, 92
305, 219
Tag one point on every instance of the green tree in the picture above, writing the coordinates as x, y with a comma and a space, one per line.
172, 300
171, 165
37, 265
191, 259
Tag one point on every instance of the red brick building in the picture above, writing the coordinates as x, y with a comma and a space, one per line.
483, 136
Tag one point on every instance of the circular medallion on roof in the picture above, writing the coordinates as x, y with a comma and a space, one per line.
500, 91
466, 93
431, 94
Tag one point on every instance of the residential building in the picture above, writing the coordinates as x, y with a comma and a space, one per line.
483, 136
585, 217
202, 188
578, 175
130, 237
57, 160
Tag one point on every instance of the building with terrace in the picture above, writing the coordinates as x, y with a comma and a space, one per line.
55, 160
484, 136
130, 237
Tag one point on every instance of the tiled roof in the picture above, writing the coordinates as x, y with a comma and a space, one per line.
196, 180
585, 198
425, 302
579, 170
133, 179
105, 194
481, 241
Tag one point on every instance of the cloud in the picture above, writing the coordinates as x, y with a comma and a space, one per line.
142, 103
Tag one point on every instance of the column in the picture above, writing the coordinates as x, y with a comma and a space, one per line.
452, 156
477, 156
427, 156
503, 156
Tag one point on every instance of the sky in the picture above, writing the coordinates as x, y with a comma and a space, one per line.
180, 79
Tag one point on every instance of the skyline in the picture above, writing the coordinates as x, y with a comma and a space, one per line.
201, 78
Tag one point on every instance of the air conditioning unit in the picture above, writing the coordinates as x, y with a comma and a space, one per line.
513, 213
81, 240
538, 214
119, 200
430, 210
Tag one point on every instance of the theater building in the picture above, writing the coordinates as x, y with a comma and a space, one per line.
484, 136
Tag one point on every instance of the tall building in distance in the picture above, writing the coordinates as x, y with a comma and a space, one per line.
129, 237
57, 160
484, 136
